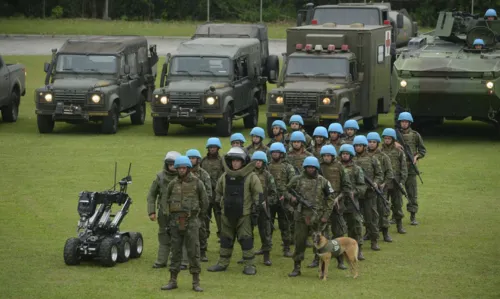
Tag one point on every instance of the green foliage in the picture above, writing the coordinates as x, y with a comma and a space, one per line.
57, 12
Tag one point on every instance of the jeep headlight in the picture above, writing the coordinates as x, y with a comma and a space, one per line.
326, 101
210, 101
164, 100
403, 83
489, 84
48, 97
279, 100
96, 98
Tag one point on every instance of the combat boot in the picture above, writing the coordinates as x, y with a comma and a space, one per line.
340, 263
259, 252
375, 246
203, 256
172, 283
286, 249
360, 253
217, 268
401, 230
413, 219
296, 270
267, 260
366, 237
249, 270
315, 262
196, 282
385, 232
158, 266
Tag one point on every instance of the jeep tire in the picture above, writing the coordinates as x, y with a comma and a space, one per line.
136, 245
71, 252
139, 116
124, 249
225, 124
108, 252
272, 63
370, 123
45, 123
11, 111
252, 119
110, 123
160, 126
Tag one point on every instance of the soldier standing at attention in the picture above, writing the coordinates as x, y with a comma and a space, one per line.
335, 131
239, 191
417, 149
237, 139
351, 127
320, 136
158, 187
186, 199
296, 123
258, 135
279, 130
319, 193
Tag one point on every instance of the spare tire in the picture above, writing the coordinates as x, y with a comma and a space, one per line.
272, 64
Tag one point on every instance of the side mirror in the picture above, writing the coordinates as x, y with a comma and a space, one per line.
361, 77
46, 67
299, 20
400, 21
272, 75
126, 69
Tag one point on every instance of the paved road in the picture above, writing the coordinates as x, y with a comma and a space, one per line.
42, 45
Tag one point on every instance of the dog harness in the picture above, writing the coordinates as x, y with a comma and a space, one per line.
332, 246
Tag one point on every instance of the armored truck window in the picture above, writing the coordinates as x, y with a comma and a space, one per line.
200, 66
367, 16
132, 62
312, 66
142, 55
353, 71
86, 64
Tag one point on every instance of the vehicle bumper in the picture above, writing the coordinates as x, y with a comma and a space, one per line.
188, 116
61, 112
310, 118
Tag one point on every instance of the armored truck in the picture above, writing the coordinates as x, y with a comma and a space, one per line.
334, 73
97, 79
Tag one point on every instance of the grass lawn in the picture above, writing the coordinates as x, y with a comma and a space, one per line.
452, 254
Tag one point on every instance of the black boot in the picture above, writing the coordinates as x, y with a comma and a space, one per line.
157, 266
385, 232
249, 270
203, 256
315, 262
360, 253
413, 219
296, 270
196, 282
172, 283
340, 263
401, 230
286, 249
217, 268
267, 260
259, 252
375, 246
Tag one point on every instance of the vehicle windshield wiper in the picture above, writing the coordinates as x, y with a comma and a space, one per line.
69, 69
184, 71
95, 70
209, 71
298, 73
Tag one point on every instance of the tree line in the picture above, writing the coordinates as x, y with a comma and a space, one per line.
425, 11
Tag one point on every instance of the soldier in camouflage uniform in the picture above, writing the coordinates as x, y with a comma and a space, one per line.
416, 144
400, 171
239, 191
368, 203
269, 199
195, 157
351, 127
352, 213
283, 174
258, 135
320, 136
213, 164
158, 187
296, 123
237, 139
335, 131
319, 193
279, 131
385, 163
186, 198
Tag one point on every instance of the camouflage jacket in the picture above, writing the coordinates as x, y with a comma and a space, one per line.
289, 134
260, 147
268, 185
334, 172
282, 173
316, 150
416, 144
215, 168
371, 167
356, 175
337, 144
398, 162
347, 140
273, 140
203, 175
186, 195
385, 164
159, 187
296, 158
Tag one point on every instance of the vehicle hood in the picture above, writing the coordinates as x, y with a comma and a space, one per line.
450, 64
194, 86
310, 86
81, 83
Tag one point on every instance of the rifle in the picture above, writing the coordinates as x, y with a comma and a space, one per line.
399, 187
302, 200
268, 214
371, 184
408, 153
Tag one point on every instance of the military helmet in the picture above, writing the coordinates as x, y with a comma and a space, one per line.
298, 136
490, 13
237, 153
328, 150
405, 116
279, 123
351, 124
182, 161
311, 161
213, 141
259, 155
360, 139
296, 119
277, 147
259, 132
390, 132
373, 136
237, 137
171, 156
336, 127
347, 148
321, 132
193, 153
478, 41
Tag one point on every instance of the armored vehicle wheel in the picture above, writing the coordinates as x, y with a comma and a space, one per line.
108, 252
160, 126
139, 116
71, 252
45, 123
124, 250
272, 63
136, 245
370, 123
225, 124
110, 123
270, 121
11, 111
344, 115
252, 119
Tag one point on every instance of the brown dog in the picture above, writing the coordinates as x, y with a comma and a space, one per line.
326, 249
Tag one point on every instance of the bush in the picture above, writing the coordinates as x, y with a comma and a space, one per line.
57, 12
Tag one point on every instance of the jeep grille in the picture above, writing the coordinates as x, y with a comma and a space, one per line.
185, 99
300, 99
69, 96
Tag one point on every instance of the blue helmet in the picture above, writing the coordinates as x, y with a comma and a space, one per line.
237, 137
298, 136
351, 124
193, 153
182, 161
277, 147
478, 41
321, 132
259, 132
213, 141
328, 150
296, 119
360, 139
279, 123
405, 116
490, 13
336, 127
259, 155
390, 132
311, 161
347, 148
373, 136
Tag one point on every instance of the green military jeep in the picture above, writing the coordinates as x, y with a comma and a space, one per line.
97, 79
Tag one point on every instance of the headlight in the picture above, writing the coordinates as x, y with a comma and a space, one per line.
48, 97
326, 101
279, 100
403, 83
210, 100
96, 98
489, 85
164, 100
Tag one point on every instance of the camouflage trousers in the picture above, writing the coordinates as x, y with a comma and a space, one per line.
164, 241
203, 234
396, 199
190, 237
277, 211
368, 206
265, 233
337, 223
216, 212
241, 229
411, 189
384, 211
302, 232
354, 226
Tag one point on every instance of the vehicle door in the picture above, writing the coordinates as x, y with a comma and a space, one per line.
355, 93
4, 82
134, 79
243, 84
125, 90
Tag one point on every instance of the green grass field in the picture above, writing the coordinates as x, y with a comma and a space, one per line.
452, 254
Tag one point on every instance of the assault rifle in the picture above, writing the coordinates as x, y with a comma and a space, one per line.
398, 186
265, 206
371, 184
408, 153
301, 199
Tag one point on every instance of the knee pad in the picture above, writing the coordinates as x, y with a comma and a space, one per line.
246, 243
226, 242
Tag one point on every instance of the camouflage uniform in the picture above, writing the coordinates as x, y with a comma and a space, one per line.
348, 140
386, 166
315, 149
274, 139
336, 143
203, 175
259, 147
215, 168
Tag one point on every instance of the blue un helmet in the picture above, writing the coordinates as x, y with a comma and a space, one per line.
193, 153
237, 137
296, 119
298, 136
390, 132
182, 161
351, 124
490, 13
277, 147
373, 136
405, 116
259, 132
213, 141
279, 123
321, 132
478, 41
360, 139
259, 155
311, 161
347, 148
328, 150
336, 127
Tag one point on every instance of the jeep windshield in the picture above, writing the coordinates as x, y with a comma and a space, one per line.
200, 66
346, 16
86, 64
316, 67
